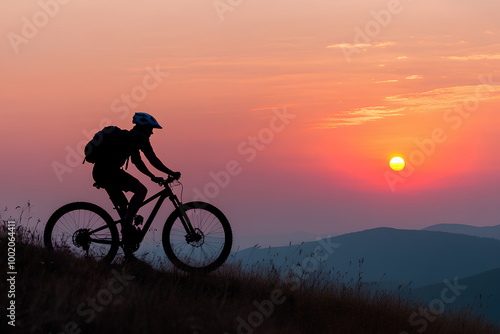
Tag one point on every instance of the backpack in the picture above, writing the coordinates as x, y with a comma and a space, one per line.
99, 146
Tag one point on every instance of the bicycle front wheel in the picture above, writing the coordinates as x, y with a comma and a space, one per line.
210, 247
83, 229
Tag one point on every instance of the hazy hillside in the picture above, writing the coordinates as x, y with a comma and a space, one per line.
402, 256
155, 249
482, 292
264, 241
483, 231
58, 293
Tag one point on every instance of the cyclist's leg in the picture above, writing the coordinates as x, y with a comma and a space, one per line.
109, 179
130, 183
129, 232
118, 199
115, 181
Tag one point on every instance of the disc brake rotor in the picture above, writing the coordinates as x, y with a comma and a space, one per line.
196, 240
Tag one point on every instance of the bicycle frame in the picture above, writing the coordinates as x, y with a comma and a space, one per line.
161, 195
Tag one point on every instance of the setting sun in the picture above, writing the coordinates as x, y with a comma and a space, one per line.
397, 163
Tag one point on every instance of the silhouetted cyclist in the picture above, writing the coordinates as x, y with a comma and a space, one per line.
108, 172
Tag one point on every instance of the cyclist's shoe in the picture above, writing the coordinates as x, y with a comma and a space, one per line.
130, 257
130, 238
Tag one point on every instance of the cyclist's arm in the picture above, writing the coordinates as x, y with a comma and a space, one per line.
156, 163
137, 161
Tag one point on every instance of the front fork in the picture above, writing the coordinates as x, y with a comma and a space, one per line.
192, 235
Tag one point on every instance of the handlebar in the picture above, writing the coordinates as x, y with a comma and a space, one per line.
169, 180
164, 182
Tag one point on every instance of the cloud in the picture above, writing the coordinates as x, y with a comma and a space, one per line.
387, 81
410, 77
358, 116
396, 105
360, 45
442, 98
475, 57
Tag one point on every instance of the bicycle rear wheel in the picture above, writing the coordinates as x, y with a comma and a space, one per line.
209, 250
84, 229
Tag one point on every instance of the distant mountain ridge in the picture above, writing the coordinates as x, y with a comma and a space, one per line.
483, 231
402, 256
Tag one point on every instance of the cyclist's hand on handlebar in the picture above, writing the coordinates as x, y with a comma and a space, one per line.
176, 175
157, 179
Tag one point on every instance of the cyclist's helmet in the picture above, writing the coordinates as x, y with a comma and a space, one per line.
143, 118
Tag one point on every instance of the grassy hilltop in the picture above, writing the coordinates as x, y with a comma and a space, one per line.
62, 294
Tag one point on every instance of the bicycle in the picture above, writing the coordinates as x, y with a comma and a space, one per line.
196, 236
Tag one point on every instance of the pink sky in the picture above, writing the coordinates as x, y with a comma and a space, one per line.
221, 75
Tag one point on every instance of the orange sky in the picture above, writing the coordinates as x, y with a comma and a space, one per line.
365, 80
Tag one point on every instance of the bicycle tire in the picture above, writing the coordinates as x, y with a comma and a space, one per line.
67, 230
217, 238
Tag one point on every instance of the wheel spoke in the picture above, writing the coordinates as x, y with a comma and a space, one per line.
70, 229
208, 248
